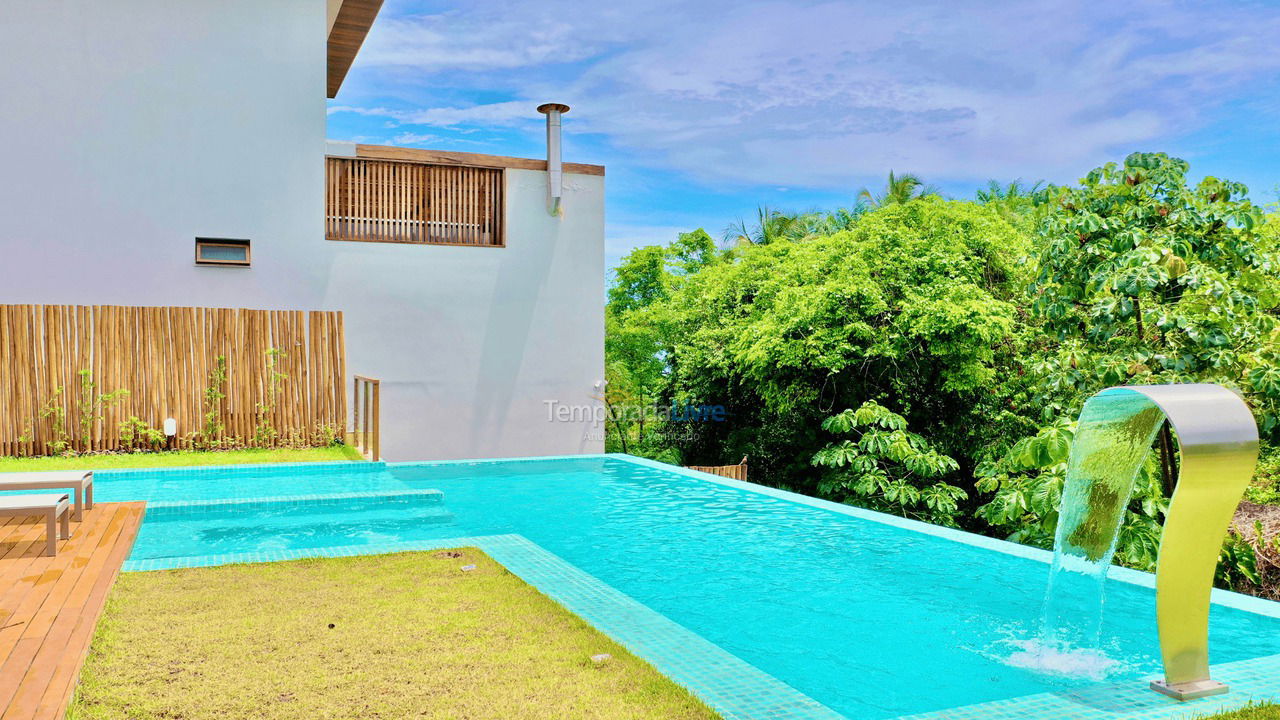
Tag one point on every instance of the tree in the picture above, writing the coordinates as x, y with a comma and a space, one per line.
773, 226
914, 307
898, 190
995, 192
1144, 279
634, 368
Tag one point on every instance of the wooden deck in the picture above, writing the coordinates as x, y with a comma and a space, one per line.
50, 605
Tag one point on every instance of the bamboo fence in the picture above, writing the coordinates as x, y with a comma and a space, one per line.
165, 357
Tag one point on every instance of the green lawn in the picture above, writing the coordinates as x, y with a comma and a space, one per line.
1257, 712
388, 636
179, 458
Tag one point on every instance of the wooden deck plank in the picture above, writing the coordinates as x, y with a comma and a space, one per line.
62, 682
51, 605
46, 635
47, 593
23, 576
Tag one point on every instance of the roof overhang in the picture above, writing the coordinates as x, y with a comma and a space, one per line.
349, 23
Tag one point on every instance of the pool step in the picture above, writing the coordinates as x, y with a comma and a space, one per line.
199, 509
358, 524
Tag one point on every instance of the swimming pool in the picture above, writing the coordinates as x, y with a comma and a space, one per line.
869, 615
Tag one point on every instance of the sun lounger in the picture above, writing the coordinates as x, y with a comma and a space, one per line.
53, 506
81, 483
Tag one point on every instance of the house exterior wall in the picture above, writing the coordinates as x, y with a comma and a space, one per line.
133, 127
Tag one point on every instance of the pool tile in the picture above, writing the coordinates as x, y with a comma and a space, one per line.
1252, 680
161, 510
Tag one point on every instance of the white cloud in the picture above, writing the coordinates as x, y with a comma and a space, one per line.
804, 93
503, 113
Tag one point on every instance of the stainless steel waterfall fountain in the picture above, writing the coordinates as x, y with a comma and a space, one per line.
1218, 446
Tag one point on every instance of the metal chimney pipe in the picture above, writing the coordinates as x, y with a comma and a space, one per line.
555, 169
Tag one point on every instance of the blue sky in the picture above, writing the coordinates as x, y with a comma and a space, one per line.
702, 111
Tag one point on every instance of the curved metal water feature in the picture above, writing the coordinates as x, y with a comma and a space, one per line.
1218, 446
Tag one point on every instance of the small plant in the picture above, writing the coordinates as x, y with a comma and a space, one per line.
326, 435
57, 415
138, 435
213, 397
93, 405
1238, 561
264, 433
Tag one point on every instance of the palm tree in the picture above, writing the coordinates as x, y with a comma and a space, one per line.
899, 189
774, 226
1018, 203
1015, 191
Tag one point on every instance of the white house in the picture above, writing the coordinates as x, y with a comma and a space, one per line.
135, 128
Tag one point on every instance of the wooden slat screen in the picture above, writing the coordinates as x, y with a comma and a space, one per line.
733, 472
408, 202
164, 356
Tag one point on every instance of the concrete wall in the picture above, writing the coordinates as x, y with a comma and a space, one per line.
133, 126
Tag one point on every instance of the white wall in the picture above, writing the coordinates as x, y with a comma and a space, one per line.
471, 342
133, 126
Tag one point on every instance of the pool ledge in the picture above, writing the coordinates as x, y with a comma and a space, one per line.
1252, 680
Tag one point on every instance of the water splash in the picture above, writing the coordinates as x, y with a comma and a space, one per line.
1063, 661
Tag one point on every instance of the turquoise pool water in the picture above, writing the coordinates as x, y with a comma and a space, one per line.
870, 618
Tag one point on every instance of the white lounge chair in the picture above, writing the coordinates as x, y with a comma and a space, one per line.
53, 506
79, 482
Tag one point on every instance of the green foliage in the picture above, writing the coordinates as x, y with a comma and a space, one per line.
137, 434
1238, 563
1261, 711
772, 226
92, 405
634, 366
53, 411
914, 305
898, 189
984, 325
1025, 487
1144, 279
214, 394
1265, 489
264, 432
882, 466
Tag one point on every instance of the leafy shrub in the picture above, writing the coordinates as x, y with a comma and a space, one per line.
137, 434
884, 467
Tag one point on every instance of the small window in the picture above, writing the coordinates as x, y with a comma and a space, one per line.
219, 251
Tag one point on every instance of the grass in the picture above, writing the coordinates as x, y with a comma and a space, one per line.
1265, 711
387, 636
179, 458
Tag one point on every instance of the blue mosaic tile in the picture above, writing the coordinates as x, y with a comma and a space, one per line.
162, 510
1250, 681
259, 469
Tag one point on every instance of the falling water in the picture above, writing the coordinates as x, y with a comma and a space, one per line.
1114, 435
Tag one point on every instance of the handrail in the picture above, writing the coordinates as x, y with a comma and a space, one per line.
366, 413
